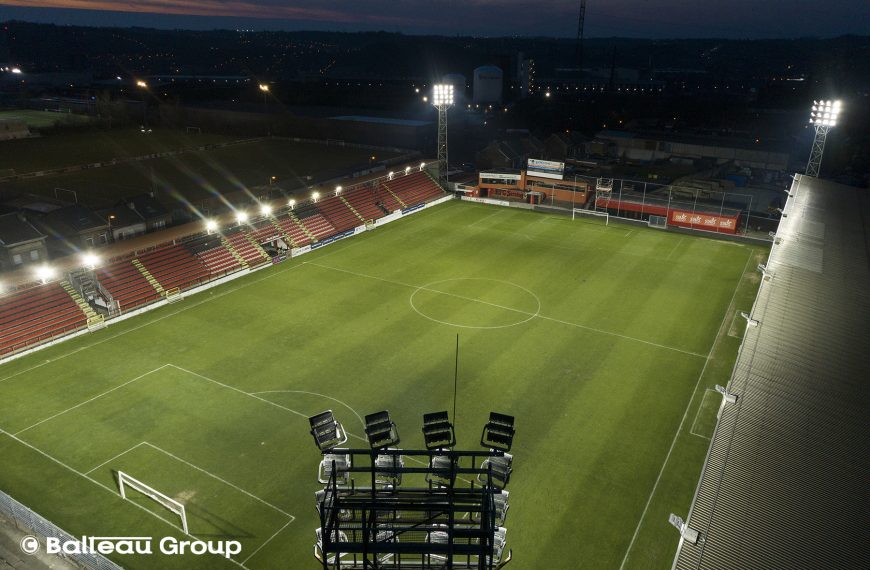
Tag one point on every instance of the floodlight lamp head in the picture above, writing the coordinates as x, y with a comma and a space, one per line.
438, 431
498, 433
241, 217
291, 203
381, 430
265, 209
90, 260
327, 431
44, 273
824, 113
442, 95
211, 225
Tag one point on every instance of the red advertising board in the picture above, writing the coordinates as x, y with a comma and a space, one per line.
723, 224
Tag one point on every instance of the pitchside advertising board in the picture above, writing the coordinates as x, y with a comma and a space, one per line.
546, 169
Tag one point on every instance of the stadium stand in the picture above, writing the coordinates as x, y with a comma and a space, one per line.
264, 231
28, 316
338, 213
175, 266
414, 188
211, 252
320, 227
243, 246
363, 201
295, 232
386, 197
126, 284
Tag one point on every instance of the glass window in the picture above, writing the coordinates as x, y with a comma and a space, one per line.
16, 259
34, 255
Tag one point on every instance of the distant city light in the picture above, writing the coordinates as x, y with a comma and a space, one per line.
263, 87
16, 70
140, 83
241, 217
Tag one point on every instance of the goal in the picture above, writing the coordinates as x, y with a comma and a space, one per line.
660, 222
590, 215
173, 295
125, 481
193, 130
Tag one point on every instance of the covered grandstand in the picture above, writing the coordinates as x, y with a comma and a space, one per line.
785, 483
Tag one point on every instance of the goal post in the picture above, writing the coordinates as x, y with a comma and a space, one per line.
590, 214
173, 294
125, 481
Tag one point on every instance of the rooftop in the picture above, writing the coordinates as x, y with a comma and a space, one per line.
784, 484
15, 230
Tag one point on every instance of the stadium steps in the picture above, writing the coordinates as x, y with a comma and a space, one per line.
147, 274
352, 209
83, 305
395, 196
235, 253
258, 247
305, 230
283, 233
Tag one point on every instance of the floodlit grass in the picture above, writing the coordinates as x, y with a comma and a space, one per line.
44, 119
193, 176
600, 340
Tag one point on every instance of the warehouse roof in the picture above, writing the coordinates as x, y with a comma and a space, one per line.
785, 481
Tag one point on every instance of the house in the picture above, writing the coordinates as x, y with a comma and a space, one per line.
124, 222
20, 242
511, 153
154, 214
564, 145
72, 229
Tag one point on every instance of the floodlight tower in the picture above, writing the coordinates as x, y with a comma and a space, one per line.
823, 116
442, 99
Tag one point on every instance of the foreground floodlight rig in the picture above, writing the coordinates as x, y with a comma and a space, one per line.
823, 117
386, 507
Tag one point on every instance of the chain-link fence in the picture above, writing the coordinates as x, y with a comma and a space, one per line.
29, 521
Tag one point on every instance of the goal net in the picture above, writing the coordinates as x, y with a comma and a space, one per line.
173, 294
125, 481
660, 222
578, 213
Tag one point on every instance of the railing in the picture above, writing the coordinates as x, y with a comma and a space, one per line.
30, 521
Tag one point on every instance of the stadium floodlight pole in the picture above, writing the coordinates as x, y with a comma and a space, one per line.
823, 116
144, 87
442, 99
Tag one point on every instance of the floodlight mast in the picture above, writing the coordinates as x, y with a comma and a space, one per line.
442, 99
823, 116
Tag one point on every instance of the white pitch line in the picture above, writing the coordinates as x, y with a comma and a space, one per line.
125, 452
268, 540
685, 414
94, 481
679, 241
698, 413
90, 399
224, 481
362, 423
473, 300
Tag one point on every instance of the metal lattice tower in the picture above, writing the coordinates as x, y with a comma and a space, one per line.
823, 116
578, 48
815, 161
442, 145
442, 99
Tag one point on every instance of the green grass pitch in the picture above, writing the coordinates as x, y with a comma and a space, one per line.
601, 340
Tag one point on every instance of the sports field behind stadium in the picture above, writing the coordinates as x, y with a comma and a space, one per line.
603, 341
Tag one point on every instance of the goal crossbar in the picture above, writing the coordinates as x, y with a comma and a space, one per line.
579, 212
125, 480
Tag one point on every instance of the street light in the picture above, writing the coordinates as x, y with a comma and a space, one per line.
823, 117
265, 89
144, 87
442, 99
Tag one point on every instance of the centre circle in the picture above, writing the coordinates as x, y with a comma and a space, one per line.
475, 303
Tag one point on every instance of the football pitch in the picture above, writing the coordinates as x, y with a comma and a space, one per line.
604, 341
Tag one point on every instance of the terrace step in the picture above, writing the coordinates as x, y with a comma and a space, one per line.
283, 233
352, 209
257, 246
83, 305
147, 274
299, 223
235, 253
396, 196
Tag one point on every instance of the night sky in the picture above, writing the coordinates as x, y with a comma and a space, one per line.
627, 18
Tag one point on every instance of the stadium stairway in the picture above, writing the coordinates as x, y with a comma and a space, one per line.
319, 226
126, 284
174, 267
283, 233
148, 277
258, 247
397, 201
33, 315
295, 230
248, 248
352, 209
338, 214
363, 201
77, 299
242, 261
302, 227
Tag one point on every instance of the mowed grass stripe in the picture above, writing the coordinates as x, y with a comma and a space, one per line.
595, 412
